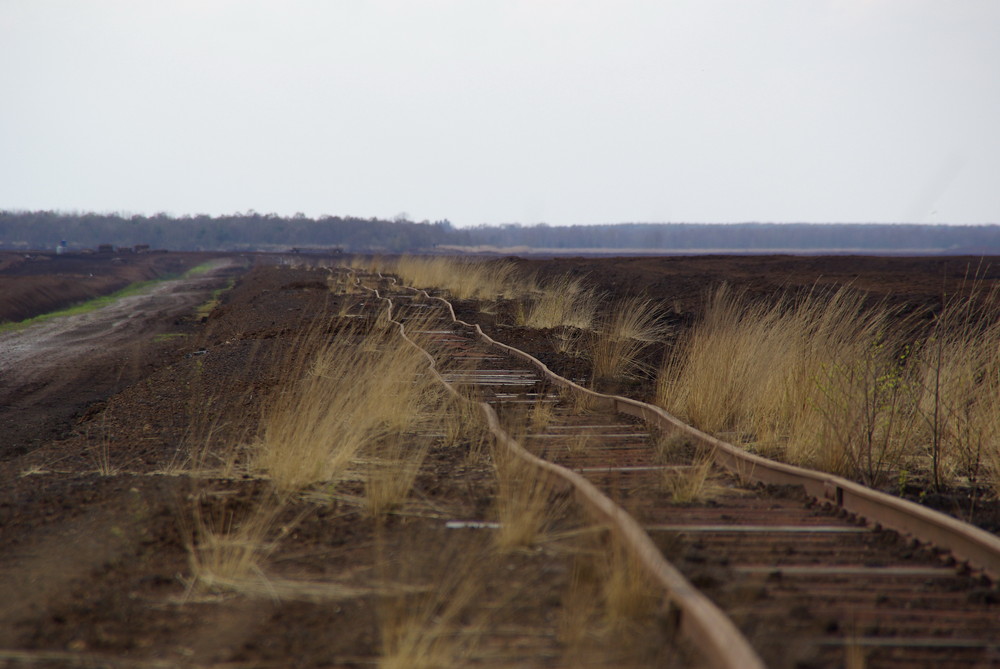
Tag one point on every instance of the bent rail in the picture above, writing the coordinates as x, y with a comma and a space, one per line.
704, 624
970, 544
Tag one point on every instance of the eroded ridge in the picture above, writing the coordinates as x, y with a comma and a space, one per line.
808, 582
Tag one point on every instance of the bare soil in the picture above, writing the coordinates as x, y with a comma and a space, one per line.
103, 418
99, 511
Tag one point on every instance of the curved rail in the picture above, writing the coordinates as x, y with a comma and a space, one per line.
970, 544
700, 620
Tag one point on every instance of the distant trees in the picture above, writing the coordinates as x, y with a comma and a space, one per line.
760, 237
240, 231
254, 231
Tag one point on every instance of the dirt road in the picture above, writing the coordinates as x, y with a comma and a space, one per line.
51, 370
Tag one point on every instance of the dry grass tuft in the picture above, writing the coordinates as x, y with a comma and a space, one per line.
541, 415
564, 301
100, 454
693, 484
629, 594
391, 471
439, 624
669, 447
229, 553
350, 394
958, 393
610, 609
568, 341
464, 278
629, 328
524, 505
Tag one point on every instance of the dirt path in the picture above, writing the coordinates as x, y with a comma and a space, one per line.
51, 370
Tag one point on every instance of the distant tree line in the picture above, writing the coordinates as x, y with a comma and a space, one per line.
240, 231
255, 231
748, 236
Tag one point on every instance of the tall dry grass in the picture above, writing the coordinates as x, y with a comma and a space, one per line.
562, 301
630, 595
692, 484
391, 470
829, 381
441, 622
229, 552
624, 333
958, 394
524, 502
464, 278
347, 395
809, 377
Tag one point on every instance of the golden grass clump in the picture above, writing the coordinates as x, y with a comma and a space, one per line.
350, 394
830, 381
523, 504
564, 301
611, 612
229, 553
628, 329
958, 396
629, 593
463, 278
391, 471
817, 377
693, 484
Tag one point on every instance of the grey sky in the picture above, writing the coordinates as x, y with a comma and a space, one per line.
483, 111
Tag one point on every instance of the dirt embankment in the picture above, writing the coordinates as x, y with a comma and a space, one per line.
52, 371
34, 284
684, 280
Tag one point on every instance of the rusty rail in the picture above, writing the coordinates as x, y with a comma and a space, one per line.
700, 620
970, 544
977, 549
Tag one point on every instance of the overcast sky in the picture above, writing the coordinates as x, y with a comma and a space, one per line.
485, 111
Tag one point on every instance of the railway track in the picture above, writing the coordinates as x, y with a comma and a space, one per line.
809, 570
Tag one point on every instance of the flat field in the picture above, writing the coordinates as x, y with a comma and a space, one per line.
128, 494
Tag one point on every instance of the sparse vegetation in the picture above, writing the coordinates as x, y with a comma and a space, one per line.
629, 595
390, 470
463, 278
691, 484
355, 392
628, 329
958, 392
524, 504
800, 375
439, 625
136, 288
564, 302
228, 552
205, 309
300, 483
